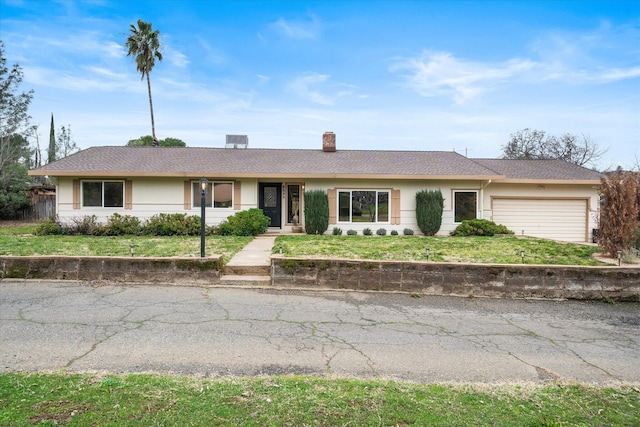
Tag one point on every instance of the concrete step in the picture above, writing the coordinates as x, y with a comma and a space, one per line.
245, 280
247, 270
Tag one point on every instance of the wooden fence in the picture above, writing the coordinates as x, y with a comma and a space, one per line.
42, 207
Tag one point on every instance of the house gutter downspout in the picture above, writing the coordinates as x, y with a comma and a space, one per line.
482, 187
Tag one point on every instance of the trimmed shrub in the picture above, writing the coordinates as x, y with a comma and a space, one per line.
120, 225
394, 232
172, 225
247, 223
381, 232
407, 232
48, 228
352, 233
87, 225
223, 229
367, 232
429, 207
337, 231
480, 227
316, 212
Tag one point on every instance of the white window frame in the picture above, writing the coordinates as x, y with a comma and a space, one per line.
195, 194
453, 207
350, 191
102, 181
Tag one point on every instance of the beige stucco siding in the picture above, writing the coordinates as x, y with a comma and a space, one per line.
151, 196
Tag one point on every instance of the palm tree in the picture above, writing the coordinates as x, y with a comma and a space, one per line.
144, 45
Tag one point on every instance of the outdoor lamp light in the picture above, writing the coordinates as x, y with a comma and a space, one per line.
619, 258
522, 255
428, 251
203, 194
133, 250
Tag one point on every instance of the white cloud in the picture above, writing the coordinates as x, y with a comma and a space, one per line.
302, 86
606, 54
176, 58
620, 74
440, 73
319, 88
297, 29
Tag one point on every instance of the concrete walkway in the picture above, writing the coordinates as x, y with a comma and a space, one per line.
252, 265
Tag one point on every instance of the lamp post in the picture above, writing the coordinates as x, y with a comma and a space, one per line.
428, 252
522, 255
203, 196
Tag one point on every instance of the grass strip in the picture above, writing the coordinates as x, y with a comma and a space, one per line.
19, 242
60, 399
485, 250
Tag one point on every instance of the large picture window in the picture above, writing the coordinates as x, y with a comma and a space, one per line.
103, 194
219, 195
368, 206
465, 205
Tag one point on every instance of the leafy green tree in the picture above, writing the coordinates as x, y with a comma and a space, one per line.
147, 140
429, 207
144, 45
14, 186
14, 147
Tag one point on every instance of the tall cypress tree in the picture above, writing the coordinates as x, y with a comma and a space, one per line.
52, 142
429, 207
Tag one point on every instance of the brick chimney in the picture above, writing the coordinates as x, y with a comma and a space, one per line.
329, 142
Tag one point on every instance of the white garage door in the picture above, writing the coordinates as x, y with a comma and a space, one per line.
558, 219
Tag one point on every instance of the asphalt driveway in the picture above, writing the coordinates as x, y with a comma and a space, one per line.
233, 331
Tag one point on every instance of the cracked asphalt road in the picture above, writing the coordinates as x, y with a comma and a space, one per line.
233, 331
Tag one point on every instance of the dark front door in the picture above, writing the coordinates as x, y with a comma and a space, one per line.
271, 202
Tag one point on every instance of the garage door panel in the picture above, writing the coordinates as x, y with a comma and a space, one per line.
559, 219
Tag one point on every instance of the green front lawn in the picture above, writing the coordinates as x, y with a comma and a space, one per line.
160, 400
19, 241
501, 250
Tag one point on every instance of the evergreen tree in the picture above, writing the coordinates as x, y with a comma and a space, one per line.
316, 212
52, 143
429, 207
14, 147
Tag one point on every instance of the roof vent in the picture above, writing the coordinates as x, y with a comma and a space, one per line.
237, 141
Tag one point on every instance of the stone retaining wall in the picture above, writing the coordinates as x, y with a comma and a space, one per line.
493, 280
120, 269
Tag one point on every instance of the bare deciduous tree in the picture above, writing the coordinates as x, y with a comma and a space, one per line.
536, 144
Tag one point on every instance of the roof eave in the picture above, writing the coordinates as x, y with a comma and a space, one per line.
130, 174
551, 181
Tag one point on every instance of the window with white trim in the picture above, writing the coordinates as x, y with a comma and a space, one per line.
363, 206
465, 205
103, 194
219, 195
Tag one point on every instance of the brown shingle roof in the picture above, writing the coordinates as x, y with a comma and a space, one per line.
539, 170
262, 163
274, 163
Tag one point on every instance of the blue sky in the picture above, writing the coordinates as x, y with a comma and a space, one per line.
402, 75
